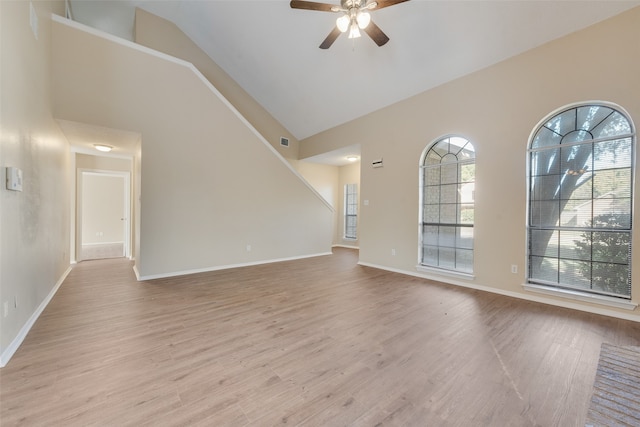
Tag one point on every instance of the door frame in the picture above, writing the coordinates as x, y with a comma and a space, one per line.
126, 214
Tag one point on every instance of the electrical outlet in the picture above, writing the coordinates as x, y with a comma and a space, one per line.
393, 252
248, 248
514, 268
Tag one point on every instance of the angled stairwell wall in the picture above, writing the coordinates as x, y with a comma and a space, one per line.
164, 36
213, 192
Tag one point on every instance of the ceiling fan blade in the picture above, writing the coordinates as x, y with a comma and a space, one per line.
311, 5
333, 35
386, 3
376, 34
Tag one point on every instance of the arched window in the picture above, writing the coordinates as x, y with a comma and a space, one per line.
579, 219
448, 190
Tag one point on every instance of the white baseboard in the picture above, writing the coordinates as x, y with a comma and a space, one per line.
222, 267
8, 353
346, 246
528, 296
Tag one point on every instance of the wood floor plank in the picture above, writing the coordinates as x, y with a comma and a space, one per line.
313, 342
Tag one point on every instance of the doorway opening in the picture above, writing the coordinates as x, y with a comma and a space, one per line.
103, 215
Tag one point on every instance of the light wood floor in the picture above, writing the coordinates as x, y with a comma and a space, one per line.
315, 342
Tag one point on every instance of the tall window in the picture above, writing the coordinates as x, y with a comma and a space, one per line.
350, 211
448, 189
579, 220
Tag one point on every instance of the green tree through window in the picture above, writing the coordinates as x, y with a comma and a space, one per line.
580, 201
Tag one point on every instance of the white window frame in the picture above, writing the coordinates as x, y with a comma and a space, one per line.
458, 225
562, 289
350, 211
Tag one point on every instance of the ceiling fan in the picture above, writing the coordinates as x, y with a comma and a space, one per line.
354, 16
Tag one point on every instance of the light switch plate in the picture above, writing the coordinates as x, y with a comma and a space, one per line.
14, 179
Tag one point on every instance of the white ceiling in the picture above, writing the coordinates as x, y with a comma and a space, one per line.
272, 50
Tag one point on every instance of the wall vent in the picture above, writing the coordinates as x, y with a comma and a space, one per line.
284, 141
377, 163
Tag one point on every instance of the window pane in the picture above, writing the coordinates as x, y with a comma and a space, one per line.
464, 260
576, 213
545, 162
575, 273
577, 188
568, 248
609, 154
447, 258
467, 172
563, 123
544, 243
580, 199
603, 209
466, 214
350, 211
545, 137
546, 187
430, 234
449, 173
432, 176
447, 237
545, 269
448, 196
611, 278
544, 214
611, 246
612, 183
448, 214
449, 193
465, 238
432, 213
590, 116
430, 255
433, 158
432, 195
616, 124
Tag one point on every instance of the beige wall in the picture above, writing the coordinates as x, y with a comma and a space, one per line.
164, 36
211, 188
496, 109
325, 179
34, 223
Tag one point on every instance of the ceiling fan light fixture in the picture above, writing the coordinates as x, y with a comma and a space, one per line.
363, 19
342, 23
354, 31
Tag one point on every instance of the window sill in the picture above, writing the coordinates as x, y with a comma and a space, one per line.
581, 296
452, 273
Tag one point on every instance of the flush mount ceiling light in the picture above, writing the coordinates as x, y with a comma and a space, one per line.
102, 147
355, 17
352, 158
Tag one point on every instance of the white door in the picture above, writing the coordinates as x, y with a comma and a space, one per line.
104, 215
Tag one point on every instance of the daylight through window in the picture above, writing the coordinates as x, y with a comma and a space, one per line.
448, 191
350, 211
580, 198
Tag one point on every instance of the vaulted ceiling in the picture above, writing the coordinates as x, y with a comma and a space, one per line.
272, 50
